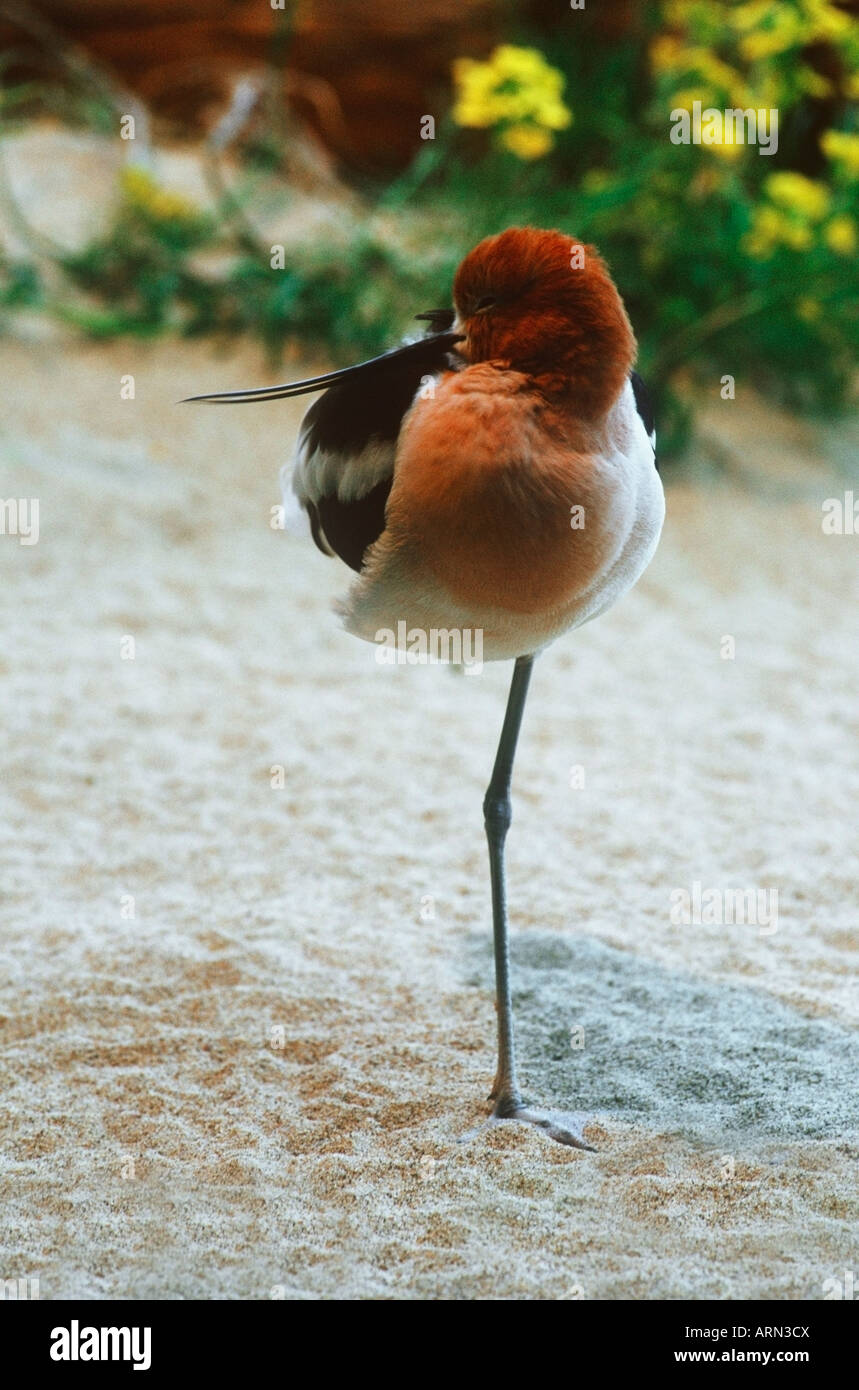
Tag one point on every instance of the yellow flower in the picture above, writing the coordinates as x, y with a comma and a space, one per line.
808, 309
714, 71
525, 65
797, 236
477, 103
771, 228
764, 236
676, 12
553, 114
747, 17
143, 193
727, 148
669, 54
767, 28
526, 141
517, 93
843, 148
794, 191
785, 31
685, 99
137, 184
767, 91
813, 83
825, 21
165, 207
840, 235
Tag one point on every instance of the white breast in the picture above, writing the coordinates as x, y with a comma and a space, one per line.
629, 467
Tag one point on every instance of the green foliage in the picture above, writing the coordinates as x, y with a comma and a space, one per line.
729, 260
150, 273
20, 285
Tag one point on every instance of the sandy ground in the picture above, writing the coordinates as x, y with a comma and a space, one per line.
258, 1083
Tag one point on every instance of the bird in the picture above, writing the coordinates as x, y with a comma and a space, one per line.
496, 473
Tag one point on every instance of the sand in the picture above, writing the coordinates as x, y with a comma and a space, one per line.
257, 1085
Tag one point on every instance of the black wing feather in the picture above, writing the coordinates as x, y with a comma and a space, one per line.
644, 406
351, 415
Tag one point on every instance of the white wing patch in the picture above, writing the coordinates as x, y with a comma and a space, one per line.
320, 473
312, 474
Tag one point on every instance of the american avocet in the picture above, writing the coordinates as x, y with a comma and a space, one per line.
497, 475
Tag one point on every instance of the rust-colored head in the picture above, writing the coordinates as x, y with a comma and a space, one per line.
544, 304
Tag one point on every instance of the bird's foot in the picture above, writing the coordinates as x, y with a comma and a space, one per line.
561, 1125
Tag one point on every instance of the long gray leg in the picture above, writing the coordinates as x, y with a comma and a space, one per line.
497, 815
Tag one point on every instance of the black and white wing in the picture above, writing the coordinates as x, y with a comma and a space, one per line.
644, 406
343, 466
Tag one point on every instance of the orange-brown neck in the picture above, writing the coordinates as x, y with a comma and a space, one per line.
561, 321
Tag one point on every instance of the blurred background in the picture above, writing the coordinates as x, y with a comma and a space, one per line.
373, 144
